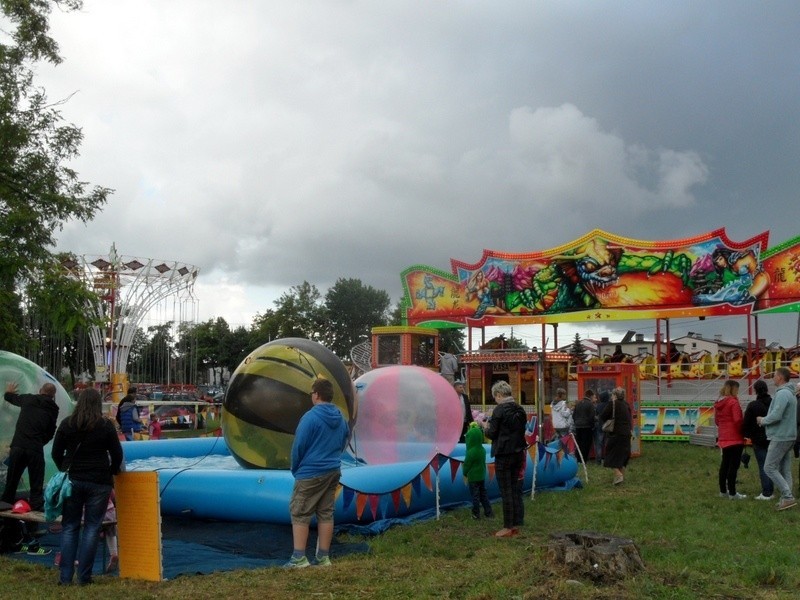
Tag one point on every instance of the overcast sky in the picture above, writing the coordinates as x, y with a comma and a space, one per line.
269, 143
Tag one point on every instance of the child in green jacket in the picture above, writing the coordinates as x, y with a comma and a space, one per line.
474, 469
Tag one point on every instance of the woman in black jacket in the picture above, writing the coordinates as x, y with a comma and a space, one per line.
618, 446
506, 429
87, 447
758, 435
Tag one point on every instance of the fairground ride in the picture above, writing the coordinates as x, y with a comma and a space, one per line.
128, 289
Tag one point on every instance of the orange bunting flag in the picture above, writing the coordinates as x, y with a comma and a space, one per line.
490, 470
454, 464
426, 478
406, 493
338, 492
361, 502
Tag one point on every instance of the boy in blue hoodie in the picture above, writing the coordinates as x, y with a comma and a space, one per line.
319, 440
474, 469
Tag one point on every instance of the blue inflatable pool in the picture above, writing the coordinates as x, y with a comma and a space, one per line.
368, 492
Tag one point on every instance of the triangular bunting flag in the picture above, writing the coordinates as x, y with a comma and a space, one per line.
442, 460
347, 497
361, 502
373, 504
426, 477
416, 485
396, 500
338, 492
435, 464
490, 471
406, 494
454, 464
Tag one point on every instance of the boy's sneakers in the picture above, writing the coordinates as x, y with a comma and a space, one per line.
325, 561
37, 550
297, 563
786, 503
763, 497
476, 516
737, 496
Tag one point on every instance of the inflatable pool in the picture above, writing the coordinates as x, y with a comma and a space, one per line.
198, 477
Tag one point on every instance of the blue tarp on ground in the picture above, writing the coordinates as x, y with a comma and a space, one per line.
192, 547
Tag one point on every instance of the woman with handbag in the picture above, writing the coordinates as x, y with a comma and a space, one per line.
618, 425
506, 429
87, 443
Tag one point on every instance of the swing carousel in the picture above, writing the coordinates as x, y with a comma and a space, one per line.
132, 292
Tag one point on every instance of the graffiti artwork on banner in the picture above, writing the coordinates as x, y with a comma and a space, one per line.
603, 276
674, 419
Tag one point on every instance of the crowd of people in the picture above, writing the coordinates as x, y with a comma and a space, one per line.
86, 445
772, 426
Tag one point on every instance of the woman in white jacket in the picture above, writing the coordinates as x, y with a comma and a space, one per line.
561, 414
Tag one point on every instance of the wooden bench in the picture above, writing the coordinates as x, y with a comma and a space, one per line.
36, 516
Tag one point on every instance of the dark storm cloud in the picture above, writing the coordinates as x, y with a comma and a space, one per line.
280, 142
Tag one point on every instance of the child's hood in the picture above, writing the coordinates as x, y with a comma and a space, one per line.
474, 436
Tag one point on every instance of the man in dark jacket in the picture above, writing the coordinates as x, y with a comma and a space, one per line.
36, 425
462, 395
583, 419
759, 408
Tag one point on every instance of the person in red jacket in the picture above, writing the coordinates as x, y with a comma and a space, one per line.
730, 438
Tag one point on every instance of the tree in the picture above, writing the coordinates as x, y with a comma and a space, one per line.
57, 320
155, 360
578, 351
218, 348
298, 313
352, 310
451, 340
39, 192
235, 347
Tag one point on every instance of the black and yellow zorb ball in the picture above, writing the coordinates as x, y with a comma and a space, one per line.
269, 392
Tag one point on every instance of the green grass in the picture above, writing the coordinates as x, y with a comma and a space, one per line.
694, 545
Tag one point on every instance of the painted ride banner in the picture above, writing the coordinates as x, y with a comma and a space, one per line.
602, 276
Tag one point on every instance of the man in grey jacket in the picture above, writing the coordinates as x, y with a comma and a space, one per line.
781, 427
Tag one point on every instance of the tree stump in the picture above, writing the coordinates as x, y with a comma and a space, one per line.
597, 556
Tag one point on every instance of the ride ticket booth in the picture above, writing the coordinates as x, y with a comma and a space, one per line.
520, 369
607, 376
405, 345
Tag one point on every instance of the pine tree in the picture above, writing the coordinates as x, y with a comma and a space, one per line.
577, 351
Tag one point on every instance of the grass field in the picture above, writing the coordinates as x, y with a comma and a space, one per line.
694, 545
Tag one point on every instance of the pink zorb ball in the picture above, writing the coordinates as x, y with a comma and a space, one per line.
405, 414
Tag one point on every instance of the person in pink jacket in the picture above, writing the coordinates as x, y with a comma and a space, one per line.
730, 438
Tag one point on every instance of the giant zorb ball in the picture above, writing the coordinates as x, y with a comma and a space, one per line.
29, 378
269, 392
405, 414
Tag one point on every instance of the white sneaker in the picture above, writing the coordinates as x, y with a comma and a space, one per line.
763, 497
723, 494
737, 496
